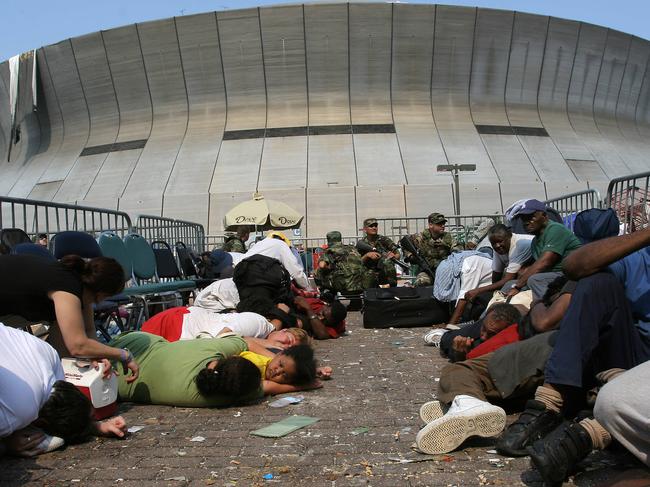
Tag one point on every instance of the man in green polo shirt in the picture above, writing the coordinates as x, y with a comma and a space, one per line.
551, 244
168, 370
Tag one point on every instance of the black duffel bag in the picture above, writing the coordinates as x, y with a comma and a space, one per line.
402, 307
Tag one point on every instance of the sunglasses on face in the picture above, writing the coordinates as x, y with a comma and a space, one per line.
373, 225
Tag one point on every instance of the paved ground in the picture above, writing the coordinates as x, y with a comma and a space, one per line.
368, 422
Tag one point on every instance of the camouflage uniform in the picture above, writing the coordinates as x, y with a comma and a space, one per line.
234, 244
434, 250
384, 269
346, 272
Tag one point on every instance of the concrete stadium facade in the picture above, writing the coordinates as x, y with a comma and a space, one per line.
341, 110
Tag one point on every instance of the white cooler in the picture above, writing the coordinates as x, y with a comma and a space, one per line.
101, 392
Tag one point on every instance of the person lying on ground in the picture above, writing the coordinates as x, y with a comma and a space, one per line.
509, 374
324, 320
63, 293
607, 325
293, 369
620, 413
168, 371
511, 253
186, 323
551, 245
459, 273
39, 411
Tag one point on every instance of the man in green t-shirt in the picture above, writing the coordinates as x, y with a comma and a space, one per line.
551, 244
168, 370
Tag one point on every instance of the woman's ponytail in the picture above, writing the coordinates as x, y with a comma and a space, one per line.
99, 274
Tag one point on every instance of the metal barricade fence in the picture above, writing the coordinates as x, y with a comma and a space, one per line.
36, 217
569, 205
171, 231
629, 196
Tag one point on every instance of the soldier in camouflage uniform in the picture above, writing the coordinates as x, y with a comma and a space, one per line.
237, 242
434, 245
340, 268
385, 249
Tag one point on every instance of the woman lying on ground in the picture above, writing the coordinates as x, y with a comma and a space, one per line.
39, 411
63, 293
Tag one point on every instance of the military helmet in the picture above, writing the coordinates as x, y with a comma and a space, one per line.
333, 237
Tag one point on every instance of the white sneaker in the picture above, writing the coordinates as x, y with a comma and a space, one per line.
466, 417
433, 337
432, 410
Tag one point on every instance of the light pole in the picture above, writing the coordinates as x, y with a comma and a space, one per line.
455, 169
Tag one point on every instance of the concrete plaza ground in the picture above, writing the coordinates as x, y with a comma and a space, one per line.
368, 421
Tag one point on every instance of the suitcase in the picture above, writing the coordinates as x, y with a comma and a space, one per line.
402, 307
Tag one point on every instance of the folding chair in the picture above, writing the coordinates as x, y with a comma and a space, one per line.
167, 269
188, 266
32, 249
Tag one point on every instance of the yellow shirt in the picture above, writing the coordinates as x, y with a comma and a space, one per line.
260, 361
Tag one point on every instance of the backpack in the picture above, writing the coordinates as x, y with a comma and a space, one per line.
259, 274
594, 224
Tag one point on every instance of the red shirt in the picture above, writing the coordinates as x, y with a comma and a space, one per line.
334, 331
504, 337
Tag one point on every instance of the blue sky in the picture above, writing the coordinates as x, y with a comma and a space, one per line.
34, 23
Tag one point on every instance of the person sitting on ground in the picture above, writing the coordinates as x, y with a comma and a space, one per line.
607, 325
510, 373
620, 413
237, 242
39, 411
340, 268
435, 245
290, 370
379, 260
168, 371
511, 253
552, 243
63, 293
456, 275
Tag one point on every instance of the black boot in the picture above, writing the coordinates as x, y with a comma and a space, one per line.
557, 455
534, 423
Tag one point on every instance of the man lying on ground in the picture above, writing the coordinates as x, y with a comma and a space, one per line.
39, 411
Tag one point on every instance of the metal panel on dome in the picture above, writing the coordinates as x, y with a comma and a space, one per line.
74, 111
237, 166
555, 189
103, 111
331, 161
378, 160
5, 128
284, 163
479, 198
283, 47
515, 192
326, 40
580, 102
423, 199
189, 182
160, 51
380, 202
241, 51
331, 208
296, 199
134, 102
370, 61
509, 158
220, 203
608, 92
561, 42
51, 134
418, 138
452, 62
630, 92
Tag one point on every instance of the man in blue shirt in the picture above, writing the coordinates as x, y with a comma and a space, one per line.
607, 325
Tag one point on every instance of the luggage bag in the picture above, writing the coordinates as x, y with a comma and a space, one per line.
402, 307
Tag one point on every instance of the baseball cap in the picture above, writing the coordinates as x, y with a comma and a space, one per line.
437, 218
369, 221
531, 206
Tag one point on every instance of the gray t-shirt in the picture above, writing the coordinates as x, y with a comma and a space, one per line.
520, 252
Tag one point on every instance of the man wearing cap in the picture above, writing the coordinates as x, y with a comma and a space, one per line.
379, 260
551, 244
237, 242
435, 245
340, 268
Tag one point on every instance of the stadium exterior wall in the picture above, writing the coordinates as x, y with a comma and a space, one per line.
342, 110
